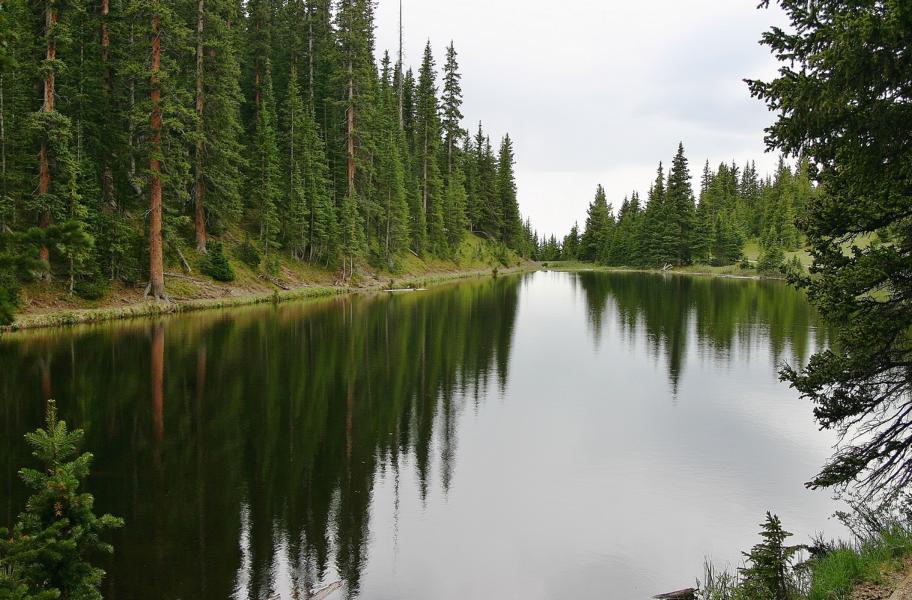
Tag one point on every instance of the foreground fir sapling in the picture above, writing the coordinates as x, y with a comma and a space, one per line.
47, 552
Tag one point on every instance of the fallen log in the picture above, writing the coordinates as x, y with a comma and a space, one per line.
685, 594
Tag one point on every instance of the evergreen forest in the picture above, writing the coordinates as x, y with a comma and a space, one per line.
134, 132
675, 225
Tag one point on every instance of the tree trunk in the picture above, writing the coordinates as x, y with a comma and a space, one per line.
350, 131
424, 167
200, 187
107, 171
156, 262
131, 138
3, 190
44, 168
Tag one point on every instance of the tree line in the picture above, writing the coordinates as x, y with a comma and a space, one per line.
676, 226
145, 126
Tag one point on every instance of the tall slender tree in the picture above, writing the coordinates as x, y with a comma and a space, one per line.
680, 204
451, 107
427, 150
511, 225
156, 254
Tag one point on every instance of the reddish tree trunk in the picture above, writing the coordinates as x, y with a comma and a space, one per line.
44, 168
200, 187
107, 172
350, 133
156, 263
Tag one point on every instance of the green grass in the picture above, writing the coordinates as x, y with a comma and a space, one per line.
835, 575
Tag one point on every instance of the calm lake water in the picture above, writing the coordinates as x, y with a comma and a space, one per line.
553, 435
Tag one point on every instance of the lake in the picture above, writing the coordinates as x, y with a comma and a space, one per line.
550, 435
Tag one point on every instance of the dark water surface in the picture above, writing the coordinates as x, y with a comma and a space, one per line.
554, 435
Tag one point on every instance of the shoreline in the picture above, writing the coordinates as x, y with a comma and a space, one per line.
594, 268
84, 316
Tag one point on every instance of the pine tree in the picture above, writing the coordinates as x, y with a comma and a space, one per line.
679, 200
427, 151
456, 201
451, 108
658, 241
219, 152
391, 183
356, 80
56, 194
263, 188
296, 208
767, 573
511, 224
598, 226
156, 254
571, 247
322, 230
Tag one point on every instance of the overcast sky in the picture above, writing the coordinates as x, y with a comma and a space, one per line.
598, 91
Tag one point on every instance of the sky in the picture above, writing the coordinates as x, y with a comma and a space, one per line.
599, 91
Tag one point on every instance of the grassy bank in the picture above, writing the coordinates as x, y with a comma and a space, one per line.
871, 568
867, 569
49, 304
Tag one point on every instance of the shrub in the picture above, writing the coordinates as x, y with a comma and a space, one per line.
793, 267
771, 260
248, 255
91, 289
217, 265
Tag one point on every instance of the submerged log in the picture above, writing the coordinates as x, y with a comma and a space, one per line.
687, 594
322, 594
325, 592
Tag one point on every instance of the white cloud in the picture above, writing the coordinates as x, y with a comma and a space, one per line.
598, 91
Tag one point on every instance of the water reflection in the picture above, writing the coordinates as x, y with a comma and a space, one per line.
254, 452
266, 426
722, 311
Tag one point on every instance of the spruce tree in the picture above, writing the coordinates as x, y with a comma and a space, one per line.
323, 227
355, 81
767, 573
219, 151
427, 151
679, 201
263, 183
391, 182
570, 249
511, 220
451, 108
598, 224
295, 209
456, 200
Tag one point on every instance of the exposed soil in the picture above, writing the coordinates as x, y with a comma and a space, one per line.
895, 586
